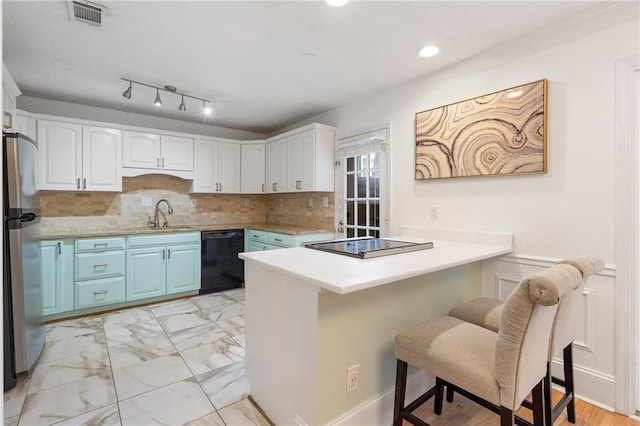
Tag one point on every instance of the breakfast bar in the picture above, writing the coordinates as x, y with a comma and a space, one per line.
311, 315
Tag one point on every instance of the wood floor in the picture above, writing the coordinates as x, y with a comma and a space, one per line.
464, 412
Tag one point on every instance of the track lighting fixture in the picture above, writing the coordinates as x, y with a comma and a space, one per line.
127, 93
206, 103
158, 101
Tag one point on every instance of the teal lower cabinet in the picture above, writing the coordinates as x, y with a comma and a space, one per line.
258, 240
162, 264
146, 273
99, 267
57, 276
183, 268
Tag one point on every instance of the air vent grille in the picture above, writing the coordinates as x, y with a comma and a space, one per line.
87, 13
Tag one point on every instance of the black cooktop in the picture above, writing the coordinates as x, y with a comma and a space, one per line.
366, 248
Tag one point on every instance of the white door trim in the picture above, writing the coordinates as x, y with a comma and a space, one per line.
626, 229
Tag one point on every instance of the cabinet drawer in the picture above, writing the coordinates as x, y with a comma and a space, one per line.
257, 236
163, 239
282, 240
99, 265
257, 246
99, 292
99, 244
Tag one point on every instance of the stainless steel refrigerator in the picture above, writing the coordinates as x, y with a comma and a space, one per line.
24, 332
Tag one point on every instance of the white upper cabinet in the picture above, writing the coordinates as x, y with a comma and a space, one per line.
217, 167
277, 165
60, 155
73, 158
155, 152
101, 159
308, 163
176, 153
141, 150
253, 162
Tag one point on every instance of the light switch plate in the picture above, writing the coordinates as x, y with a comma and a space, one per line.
194, 203
147, 201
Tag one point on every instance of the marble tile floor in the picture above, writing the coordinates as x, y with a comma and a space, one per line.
172, 363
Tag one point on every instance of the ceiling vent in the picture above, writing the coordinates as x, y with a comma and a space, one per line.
87, 12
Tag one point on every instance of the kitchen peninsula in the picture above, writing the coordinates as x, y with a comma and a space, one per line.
311, 315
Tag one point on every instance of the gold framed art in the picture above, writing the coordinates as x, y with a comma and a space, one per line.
498, 134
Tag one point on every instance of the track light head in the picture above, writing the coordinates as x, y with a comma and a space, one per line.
158, 101
127, 93
206, 108
182, 106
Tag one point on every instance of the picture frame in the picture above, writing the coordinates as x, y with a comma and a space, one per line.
498, 134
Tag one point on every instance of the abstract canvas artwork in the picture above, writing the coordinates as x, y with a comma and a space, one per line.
502, 133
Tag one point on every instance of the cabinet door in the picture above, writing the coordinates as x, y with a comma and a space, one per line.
183, 268
52, 277
204, 172
229, 168
252, 169
277, 166
295, 162
60, 155
141, 150
177, 153
146, 274
307, 141
101, 159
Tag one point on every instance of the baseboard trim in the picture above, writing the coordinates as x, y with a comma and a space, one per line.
378, 410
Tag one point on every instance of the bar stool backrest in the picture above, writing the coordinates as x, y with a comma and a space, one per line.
524, 337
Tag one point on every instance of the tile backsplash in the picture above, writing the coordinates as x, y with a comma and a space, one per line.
124, 209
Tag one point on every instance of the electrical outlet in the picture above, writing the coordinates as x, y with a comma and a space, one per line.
146, 201
246, 202
194, 203
325, 202
310, 202
353, 378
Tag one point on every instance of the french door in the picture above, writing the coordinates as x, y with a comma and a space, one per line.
362, 208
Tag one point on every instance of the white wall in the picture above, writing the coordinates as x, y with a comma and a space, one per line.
566, 212
563, 213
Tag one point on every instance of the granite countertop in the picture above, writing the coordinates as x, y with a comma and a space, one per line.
49, 234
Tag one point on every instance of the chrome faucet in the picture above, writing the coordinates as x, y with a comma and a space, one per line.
156, 220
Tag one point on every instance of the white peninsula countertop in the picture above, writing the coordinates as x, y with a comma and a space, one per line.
344, 274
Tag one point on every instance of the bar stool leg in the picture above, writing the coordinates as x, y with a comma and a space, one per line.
449, 394
506, 416
538, 404
568, 383
548, 401
401, 383
437, 406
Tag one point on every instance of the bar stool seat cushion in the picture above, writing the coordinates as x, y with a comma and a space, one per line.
455, 351
484, 311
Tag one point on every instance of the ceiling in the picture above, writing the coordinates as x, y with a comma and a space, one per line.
249, 57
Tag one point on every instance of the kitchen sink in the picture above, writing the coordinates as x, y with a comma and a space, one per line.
170, 228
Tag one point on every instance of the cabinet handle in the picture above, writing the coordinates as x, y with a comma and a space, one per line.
59, 248
95, 293
100, 265
255, 236
277, 239
10, 125
100, 245
263, 187
274, 186
84, 183
169, 253
298, 184
162, 254
163, 163
158, 162
78, 183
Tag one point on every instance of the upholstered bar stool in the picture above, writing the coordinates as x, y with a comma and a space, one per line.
486, 312
496, 370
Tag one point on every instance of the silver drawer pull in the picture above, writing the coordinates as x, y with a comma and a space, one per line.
255, 236
263, 187
278, 239
100, 244
96, 293
100, 265
59, 248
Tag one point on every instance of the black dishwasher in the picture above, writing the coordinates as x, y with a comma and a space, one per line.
221, 267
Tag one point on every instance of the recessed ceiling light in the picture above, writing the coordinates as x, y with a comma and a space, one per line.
428, 51
336, 3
